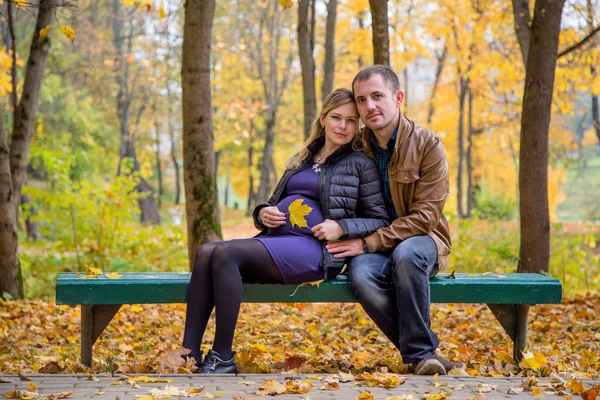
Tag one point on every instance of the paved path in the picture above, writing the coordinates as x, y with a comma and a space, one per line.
230, 386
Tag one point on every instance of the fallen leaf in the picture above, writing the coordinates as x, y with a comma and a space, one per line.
293, 362
271, 388
167, 392
345, 377
172, 360
575, 386
479, 396
451, 275
50, 368
366, 395
298, 386
484, 388
530, 360
93, 271
23, 378
515, 390
591, 393
196, 390
537, 392
21, 394
247, 383
438, 396
113, 275
56, 396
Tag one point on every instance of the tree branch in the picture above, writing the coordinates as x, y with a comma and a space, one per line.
580, 43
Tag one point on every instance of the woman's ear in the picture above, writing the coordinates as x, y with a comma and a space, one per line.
321, 121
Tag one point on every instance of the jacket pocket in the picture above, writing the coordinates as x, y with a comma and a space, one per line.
406, 176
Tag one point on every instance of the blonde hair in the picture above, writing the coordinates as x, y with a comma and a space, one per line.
335, 99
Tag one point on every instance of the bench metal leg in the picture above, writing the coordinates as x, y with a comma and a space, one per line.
513, 318
93, 321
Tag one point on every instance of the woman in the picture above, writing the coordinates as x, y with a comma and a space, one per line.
329, 191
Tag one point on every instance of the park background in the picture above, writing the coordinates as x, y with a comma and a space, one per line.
105, 173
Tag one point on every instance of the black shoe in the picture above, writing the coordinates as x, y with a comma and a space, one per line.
213, 364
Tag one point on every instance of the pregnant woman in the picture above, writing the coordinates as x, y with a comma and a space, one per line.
329, 191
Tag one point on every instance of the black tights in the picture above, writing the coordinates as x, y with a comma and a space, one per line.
217, 283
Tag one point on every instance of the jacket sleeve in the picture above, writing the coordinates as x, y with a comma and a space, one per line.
371, 211
271, 202
430, 194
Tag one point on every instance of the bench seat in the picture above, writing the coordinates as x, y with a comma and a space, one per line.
507, 295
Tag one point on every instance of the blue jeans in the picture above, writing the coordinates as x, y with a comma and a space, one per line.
394, 291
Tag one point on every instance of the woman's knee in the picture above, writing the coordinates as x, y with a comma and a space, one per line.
204, 254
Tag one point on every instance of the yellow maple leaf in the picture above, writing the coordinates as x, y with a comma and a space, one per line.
533, 360
161, 12
297, 213
93, 271
44, 31
213, 396
285, 3
113, 275
68, 32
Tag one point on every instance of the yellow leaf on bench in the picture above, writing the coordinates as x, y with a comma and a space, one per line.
113, 275
93, 271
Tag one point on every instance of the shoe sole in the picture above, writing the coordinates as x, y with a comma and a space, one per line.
431, 367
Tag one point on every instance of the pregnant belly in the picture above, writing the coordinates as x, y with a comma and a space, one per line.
312, 218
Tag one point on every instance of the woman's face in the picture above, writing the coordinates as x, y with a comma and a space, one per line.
340, 124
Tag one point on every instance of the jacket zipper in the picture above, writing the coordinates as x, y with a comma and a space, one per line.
320, 184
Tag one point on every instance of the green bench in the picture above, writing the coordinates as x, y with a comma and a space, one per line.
507, 295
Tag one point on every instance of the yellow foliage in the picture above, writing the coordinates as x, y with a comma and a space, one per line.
68, 32
44, 31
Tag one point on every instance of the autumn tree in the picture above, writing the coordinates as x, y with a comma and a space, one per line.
306, 47
540, 59
202, 208
329, 63
14, 159
381, 38
128, 88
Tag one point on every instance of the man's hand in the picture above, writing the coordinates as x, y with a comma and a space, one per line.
328, 230
346, 248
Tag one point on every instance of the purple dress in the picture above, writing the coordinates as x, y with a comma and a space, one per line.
296, 251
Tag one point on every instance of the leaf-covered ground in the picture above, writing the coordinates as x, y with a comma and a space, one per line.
37, 336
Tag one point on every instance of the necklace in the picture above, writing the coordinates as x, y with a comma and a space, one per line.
317, 165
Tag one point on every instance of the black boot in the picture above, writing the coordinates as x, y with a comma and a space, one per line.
213, 364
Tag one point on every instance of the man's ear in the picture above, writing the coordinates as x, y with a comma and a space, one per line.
399, 98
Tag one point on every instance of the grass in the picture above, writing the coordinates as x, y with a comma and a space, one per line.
582, 189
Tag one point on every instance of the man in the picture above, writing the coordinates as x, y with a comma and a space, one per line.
391, 280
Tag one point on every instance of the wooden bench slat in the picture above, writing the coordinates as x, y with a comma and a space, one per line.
172, 287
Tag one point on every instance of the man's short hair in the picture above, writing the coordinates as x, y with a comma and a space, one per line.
389, 76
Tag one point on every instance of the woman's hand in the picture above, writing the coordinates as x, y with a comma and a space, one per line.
271, 217
328, 230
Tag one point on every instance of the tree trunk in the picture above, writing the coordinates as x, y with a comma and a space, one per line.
158, 166
175, 163
361, 26
464, 84
441, 60
202, 206
251, 194
31, 227
26, 110
329, 65
227, 176
535, 122
522, 19
470, 185
381, 39
264, 185
596, 117
10, 270
148, 207
306, 47
406, 88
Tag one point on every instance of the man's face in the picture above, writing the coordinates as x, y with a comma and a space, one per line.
377, 105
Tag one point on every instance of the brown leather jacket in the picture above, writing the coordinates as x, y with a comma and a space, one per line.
418, 179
